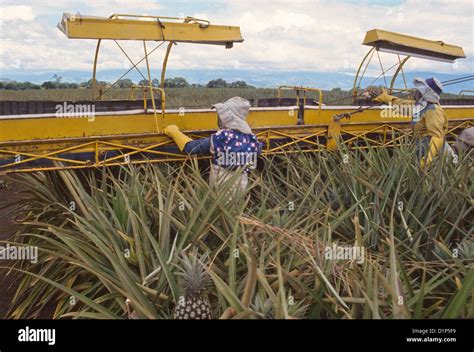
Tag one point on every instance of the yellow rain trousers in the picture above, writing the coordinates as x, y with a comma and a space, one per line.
433, 123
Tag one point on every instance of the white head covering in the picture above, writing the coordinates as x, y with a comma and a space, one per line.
426, 87
466, 139
233, 113
427, 92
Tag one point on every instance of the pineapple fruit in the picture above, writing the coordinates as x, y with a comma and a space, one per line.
372, 92
194, 304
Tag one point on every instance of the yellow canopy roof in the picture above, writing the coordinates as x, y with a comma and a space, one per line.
130, 27
412, 46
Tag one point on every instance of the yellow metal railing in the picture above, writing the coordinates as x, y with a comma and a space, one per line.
379, 136
304, 90
146, 90
128, 152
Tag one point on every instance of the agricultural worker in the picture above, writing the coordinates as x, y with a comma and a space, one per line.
465, 141
233, 148
430, 121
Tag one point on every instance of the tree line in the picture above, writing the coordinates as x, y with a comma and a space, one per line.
176, 82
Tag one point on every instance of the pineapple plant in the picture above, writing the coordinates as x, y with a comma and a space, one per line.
372, 92
3, 185
194, 304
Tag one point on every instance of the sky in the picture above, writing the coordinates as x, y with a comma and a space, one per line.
320, 35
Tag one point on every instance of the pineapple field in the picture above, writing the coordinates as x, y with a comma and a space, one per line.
156, 241
182, 97
175, 97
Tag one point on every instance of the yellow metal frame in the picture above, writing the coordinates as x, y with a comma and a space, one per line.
145, 90
412, 46
401, 44
145, 28
298, 89
366, 62
307, 137
326, 134
358, 74
132, 138
397, 71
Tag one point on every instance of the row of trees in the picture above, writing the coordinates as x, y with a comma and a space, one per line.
177, 82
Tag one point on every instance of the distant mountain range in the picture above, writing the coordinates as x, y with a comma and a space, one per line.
257, 78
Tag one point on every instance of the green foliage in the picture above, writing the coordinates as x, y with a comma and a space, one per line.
88, 85
193, 96
217, 83
124, 83
3, 185
221, 83
265, 248
14, 85
177, 82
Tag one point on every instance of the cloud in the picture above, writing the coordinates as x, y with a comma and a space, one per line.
327, 36
321, 35
16, 12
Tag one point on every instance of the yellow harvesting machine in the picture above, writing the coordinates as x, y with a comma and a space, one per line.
96, 133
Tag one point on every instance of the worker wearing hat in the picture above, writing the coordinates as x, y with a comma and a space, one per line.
430, 121
465, 141
233, 148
